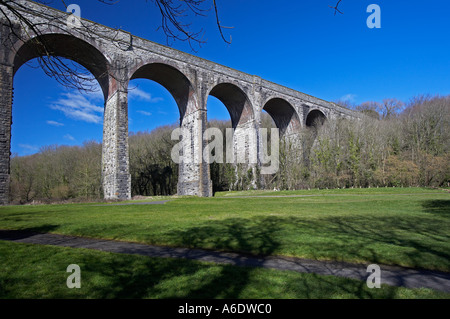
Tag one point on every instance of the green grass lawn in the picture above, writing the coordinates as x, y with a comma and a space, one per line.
334, 191
35, 271
398, 226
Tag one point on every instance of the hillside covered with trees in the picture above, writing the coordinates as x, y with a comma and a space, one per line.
393, 145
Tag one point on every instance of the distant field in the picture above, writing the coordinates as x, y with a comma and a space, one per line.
398, 226
334, 191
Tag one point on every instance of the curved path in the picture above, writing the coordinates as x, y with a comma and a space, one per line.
390, 275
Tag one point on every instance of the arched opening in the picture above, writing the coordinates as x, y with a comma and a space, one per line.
156, 108
284, 115
218, 118
228, 175
169, 77
315, 119
56, 130
236, 102
286, 120
69, 47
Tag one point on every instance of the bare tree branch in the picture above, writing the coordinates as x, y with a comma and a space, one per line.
336, 8
219, 25
66, 72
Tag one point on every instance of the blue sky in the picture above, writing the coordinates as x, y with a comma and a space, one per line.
299, 44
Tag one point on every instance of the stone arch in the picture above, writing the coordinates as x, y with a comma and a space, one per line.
243, 152
236, 101
171, 79
315, 118
193, 174
22, 51
66, 46
283, 114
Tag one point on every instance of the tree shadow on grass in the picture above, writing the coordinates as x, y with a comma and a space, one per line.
412, 241
136, 277
172, 279
26, 232
439, 207
256, 236
405, 240
107, 275
122, 277
140, 277
419, 240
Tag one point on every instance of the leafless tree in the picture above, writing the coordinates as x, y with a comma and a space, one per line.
390, 108
370, 108
336, 8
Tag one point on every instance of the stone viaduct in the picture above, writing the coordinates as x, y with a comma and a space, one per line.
115, 57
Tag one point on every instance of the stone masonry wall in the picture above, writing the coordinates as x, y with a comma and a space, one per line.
5, 130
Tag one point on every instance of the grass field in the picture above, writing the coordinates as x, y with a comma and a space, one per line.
398, 226
338, 191
30, 271
407, 227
